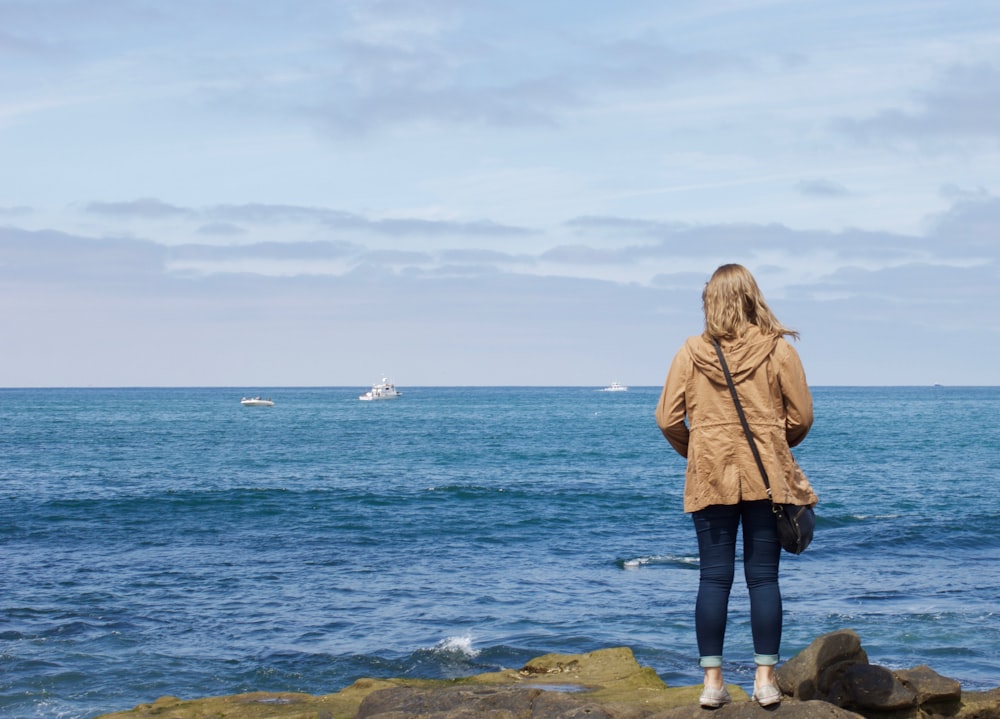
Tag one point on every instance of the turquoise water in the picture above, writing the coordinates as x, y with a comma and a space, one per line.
170, 541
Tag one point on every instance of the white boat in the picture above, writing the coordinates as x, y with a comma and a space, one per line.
256, 402
615, 386
383, 390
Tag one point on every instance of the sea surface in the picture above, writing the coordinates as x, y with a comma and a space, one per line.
172, 542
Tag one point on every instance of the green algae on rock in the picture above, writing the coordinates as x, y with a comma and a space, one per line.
831, 679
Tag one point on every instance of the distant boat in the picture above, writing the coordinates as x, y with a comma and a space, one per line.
383, 390
256, 402
615, 386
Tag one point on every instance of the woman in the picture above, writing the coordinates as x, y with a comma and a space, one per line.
723, 487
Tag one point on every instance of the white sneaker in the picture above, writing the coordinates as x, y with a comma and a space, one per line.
766, 694
714, 698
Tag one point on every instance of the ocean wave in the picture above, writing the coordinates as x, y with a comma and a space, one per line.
466, 490
461, 646
668, 560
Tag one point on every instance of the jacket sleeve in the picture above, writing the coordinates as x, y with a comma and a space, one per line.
796, 396
671, 409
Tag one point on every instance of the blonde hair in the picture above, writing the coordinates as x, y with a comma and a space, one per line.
732, 302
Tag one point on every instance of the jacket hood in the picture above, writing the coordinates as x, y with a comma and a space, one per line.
743, 355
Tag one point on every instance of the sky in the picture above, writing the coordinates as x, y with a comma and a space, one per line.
492, 192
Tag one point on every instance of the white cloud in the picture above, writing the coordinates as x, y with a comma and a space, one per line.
962, 106
491, 192
822, 188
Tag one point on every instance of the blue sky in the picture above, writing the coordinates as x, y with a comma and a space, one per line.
260, 194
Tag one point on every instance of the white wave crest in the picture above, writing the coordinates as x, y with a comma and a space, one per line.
640, 562
457, 645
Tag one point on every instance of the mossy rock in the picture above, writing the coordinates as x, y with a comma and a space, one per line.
609, 677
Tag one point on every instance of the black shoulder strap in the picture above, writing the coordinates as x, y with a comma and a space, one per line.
743, 418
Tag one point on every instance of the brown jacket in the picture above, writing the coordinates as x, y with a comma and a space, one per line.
772, 388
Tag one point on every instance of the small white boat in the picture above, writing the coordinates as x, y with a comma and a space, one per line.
383, 390
256, 402
615, 386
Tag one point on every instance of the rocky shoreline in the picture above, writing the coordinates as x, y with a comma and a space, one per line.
830, 679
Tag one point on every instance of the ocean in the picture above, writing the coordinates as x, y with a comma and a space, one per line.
172, 542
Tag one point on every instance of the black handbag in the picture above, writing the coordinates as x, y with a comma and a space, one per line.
796, 523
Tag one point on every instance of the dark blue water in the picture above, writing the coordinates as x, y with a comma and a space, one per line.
170, 541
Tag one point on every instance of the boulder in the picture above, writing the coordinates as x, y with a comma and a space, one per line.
932, 689
835, 669
812, 673
866, 686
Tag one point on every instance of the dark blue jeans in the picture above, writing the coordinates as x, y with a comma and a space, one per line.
717, 527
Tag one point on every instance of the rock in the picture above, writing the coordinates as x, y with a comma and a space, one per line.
931, 688
611, 677
791, 709
831, 679
472, 702
835, 669
979, 705
255, 705
864, 686
813, 672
